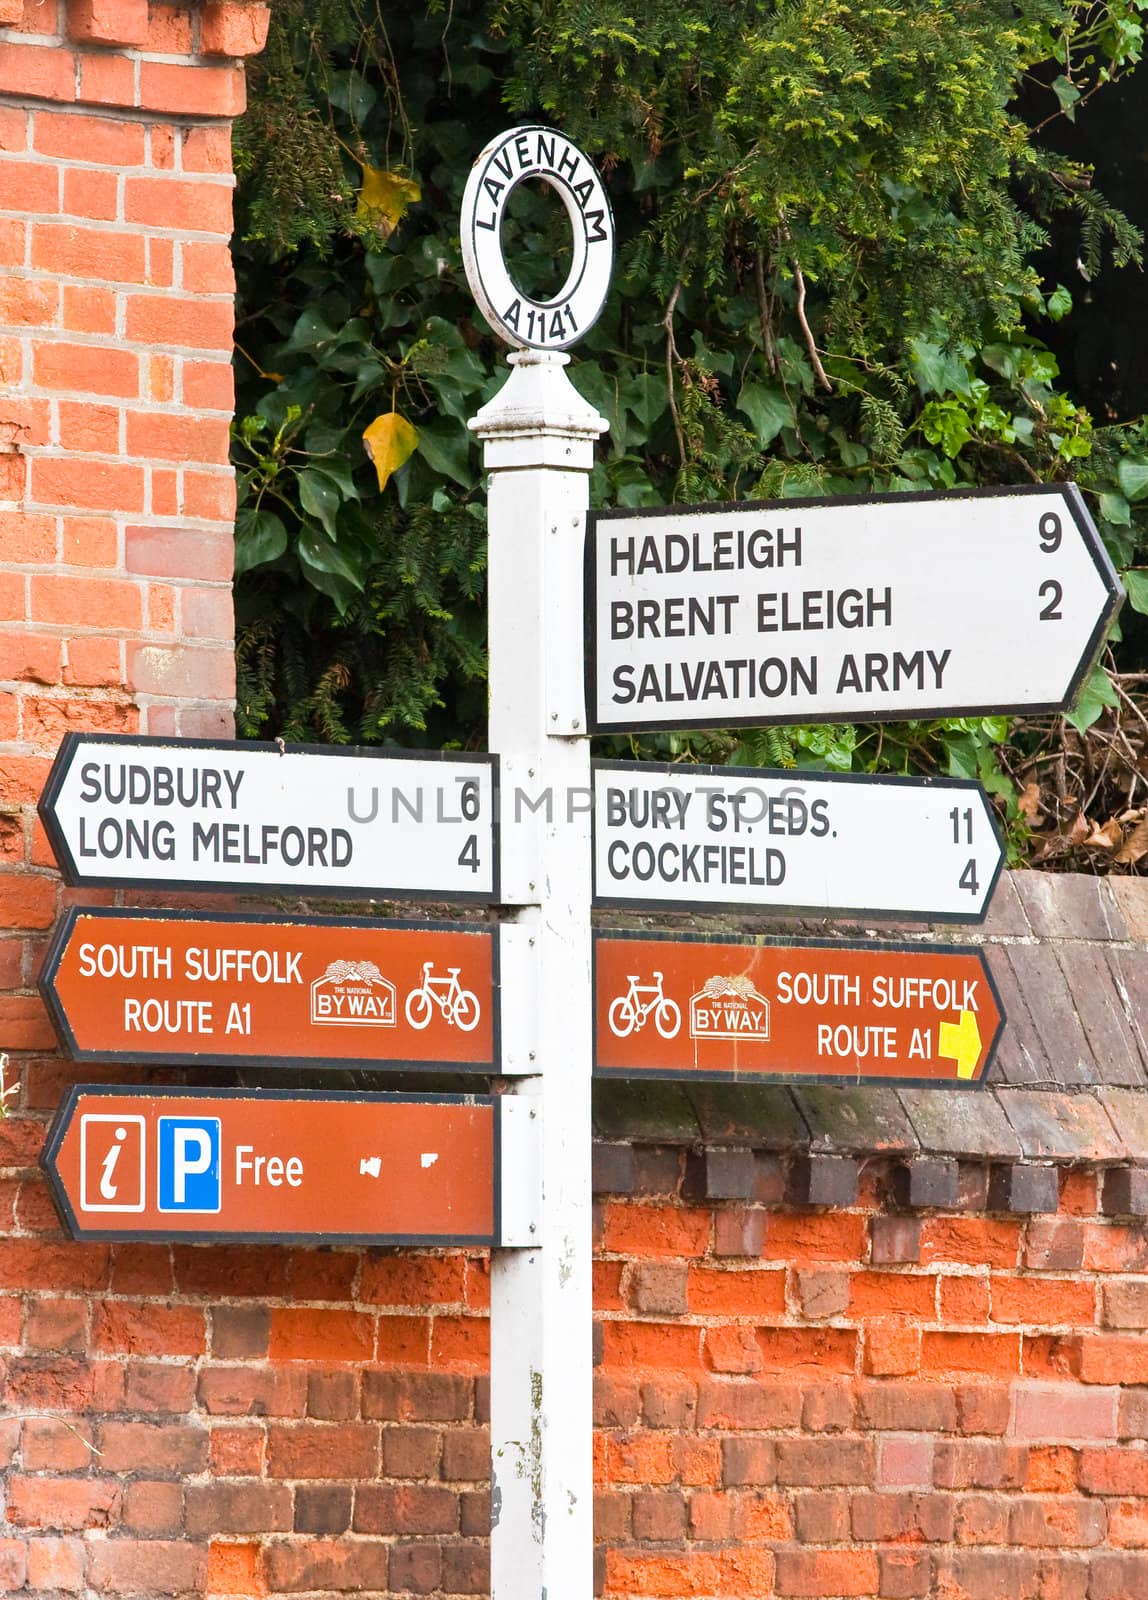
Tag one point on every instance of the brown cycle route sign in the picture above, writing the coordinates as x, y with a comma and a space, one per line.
176, 987
840, 1011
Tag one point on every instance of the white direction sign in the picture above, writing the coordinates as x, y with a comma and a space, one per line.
734, 837
193, 814
891, 606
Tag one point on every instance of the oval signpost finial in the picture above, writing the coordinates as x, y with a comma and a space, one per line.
546, 155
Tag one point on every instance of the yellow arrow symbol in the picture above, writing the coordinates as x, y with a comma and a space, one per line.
961, 1042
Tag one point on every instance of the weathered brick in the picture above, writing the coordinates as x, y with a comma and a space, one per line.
730, 1174
827, 1572
323, 1450
1048, 1411
1125, 1192
822, 1293
323, 1508
238, 1508
1059, 1520
152, 1449
1021, 1188
466, 1455
657, 1288
739, 1231
146, 1567
417, 1396
820, 1180
669, 1401
613, 1168
336, 1565
927, 1182
829, 1460
405, 1508
895, 1240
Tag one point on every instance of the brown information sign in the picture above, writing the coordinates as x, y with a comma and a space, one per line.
738, 1009
175, 987
235, 1164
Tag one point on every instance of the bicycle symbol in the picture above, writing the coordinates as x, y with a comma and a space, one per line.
458, 1006
630, 1010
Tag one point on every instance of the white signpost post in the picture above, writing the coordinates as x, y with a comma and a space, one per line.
721, 838
895, 606
538, 436
124, 810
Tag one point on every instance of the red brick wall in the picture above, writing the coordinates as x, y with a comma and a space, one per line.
870, 1402
790, 1401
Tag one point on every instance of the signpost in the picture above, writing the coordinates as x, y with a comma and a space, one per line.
308, 991
193, 814
238, 1164
820, 1010
893, 606
731, 837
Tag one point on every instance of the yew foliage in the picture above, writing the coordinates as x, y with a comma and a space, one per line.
830, 217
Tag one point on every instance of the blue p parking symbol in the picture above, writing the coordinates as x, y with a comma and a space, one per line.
189, 1164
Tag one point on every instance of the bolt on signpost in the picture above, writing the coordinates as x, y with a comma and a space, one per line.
538, 436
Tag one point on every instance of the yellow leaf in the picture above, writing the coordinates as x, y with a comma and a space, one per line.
390, 439
383, 199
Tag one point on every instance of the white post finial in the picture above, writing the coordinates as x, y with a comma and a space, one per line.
538, 418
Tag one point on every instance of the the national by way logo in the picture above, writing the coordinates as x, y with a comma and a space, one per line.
353, 991
729, 1008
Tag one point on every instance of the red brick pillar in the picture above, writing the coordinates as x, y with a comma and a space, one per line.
116, 506
116, 316
116, 497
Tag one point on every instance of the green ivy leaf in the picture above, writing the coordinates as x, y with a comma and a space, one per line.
311, 332
1067, 94
260, 537
1115, 509
1132, 476
447, 450
1096, 694
1003, 358
1135, 581
323, 555
767, 409
319, 496
929, 366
